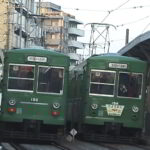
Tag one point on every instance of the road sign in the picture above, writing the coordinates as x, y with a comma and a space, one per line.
73, 132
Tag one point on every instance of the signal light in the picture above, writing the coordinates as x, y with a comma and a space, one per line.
12, 102
56, 105
94, 106
135, 109
11, 109
55, 113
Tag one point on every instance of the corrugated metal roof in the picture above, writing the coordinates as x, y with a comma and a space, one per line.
139, 47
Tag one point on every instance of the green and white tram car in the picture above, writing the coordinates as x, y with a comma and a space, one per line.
34, 94
112, 96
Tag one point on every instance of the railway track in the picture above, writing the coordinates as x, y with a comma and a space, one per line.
12, 146
76, 145
15, 146
123, 146
144, 147
109, 146
60, 146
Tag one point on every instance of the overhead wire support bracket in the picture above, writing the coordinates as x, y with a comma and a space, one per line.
98, 33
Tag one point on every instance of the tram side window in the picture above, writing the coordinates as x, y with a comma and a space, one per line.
102, 82
50, 80
21, 77
130, 85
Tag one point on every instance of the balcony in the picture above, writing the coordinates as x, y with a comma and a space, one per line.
75, 21
18, 29
76, 31
26, 9
53, 29
50, 5
75, 44
49, 42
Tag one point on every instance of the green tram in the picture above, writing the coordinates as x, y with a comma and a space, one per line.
110, 96
34, 94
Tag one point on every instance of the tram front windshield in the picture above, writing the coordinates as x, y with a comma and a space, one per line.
130, 85
50, 80
102, 82
20, 77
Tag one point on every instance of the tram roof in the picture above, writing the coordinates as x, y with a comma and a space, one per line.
139, 47
38, 50
113, 56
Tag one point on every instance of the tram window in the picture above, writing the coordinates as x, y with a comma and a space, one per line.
21, 77
102, 82
130, 85
50, 80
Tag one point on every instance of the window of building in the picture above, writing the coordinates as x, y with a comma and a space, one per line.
74, 38
54, 22
72, 50
72, 25
65, 24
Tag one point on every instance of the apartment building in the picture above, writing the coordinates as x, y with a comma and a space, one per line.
60, 30
19, 26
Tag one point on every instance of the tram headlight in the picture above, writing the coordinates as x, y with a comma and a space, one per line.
94, 106
12, 102
56, 105
135, 109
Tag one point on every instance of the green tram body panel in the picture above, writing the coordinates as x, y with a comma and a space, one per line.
34, 105
102, 114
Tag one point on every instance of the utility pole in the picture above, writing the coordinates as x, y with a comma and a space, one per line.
127, 37
39, 7
41, 21
20, 31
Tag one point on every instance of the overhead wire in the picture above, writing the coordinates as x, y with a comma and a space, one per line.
146, 27
121, 25
109, 12
121, 5
97, 10
136, 7
117, 8
81, 9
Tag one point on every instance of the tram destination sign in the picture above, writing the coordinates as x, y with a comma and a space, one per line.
118, 66
37, 59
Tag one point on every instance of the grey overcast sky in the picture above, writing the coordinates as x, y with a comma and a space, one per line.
131, 14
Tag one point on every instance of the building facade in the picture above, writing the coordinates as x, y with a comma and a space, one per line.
60, 30
19, 27
24, 23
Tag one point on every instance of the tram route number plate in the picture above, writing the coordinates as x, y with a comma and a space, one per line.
114, 109
119, 66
